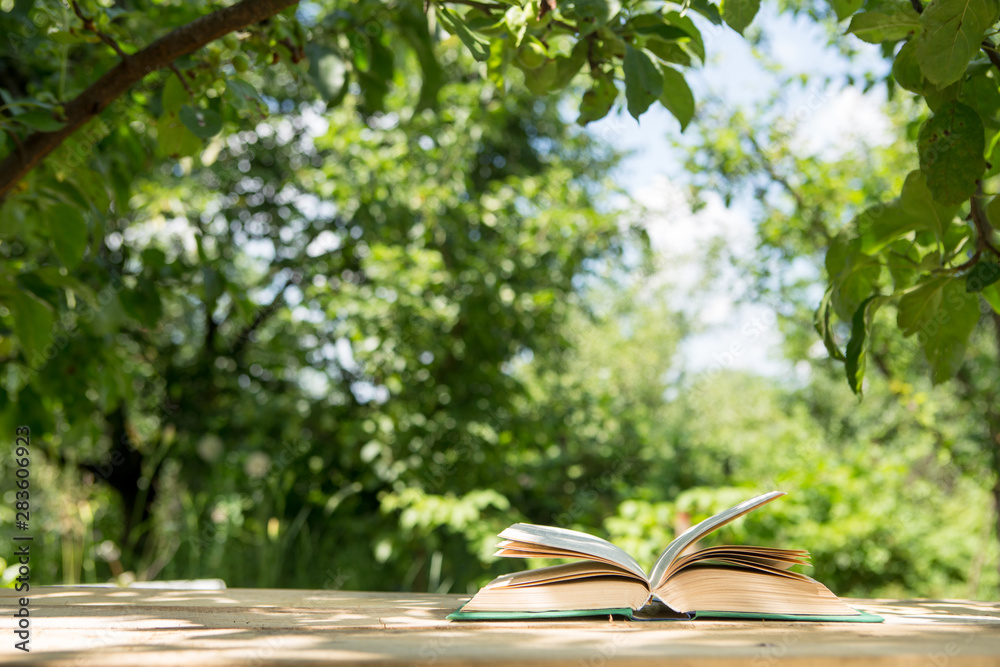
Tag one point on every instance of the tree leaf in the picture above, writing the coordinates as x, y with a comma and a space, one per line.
945, 337
203, 123
919, 307
43, 121
952, 31
653, 24
844, 8
881, 224
597, 102
992, 296
884, 26
670, 52
917, 201
242, 96
906, 70
33, 322
694, 43
174, 96
478, 45
993, 211
328, 73
643, 81
708, 10
738, 14
593, 14
567, 68
69, 233
822, 323
860, 341
174, 138
982, 275
980, 92
853, 275
676, 96
951, 145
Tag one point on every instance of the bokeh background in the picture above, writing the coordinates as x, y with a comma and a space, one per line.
344, 354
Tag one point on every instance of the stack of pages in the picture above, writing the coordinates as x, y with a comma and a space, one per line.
717, 582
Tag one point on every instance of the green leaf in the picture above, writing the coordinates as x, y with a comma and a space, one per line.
242, 96
643, 81
919, 307
860, 341
708, 10
822, 323
917, 201
478, 45
327, 73
677, 97
945, 338
982, 275
738, 14
952, 31
671, 52
881, 26
694, 42
992, 296
951, 145
33, 322
174, 138
203, 123
69, 233
43, 121
881, 224
844, 8
852, 273
592, 14
174, 96
906, 70
654, 24
597, 102
567, 68
980, 92
938, 97
539, 80
993, 211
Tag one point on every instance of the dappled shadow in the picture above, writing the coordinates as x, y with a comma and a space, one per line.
112, 627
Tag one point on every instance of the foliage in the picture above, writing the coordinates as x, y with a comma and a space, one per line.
344, 286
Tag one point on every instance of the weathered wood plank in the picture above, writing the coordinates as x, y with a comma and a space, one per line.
109, 627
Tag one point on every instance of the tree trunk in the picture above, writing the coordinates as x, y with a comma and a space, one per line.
123, 471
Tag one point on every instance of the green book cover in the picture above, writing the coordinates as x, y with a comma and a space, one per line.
625, 612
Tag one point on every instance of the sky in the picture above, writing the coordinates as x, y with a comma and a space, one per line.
736, 335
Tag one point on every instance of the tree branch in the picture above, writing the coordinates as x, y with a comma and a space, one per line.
991, 52
161, 53
984, 230
88, 24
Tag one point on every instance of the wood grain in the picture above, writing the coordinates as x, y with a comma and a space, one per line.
83, 626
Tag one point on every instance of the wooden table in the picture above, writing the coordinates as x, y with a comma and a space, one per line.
108, 627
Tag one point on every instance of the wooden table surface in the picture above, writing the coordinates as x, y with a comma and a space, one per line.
114, 626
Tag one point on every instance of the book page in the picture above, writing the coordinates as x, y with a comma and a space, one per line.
573, 540
696, 532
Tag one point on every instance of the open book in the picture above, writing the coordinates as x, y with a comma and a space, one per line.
721, 581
